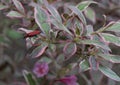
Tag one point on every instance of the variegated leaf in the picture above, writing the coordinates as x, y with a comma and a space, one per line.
19, 6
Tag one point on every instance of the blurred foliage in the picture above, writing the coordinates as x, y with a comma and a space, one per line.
13, 50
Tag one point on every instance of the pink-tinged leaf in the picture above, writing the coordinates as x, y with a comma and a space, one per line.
19, 6
112, 26
41, 52
41, 14
89, 29
14, 14
111, 38
29, 43
78, 13
3, 7
54, 12
100, 39
41, 2
41, 18
83, 5
60, 58
30, 79
96, 77
90, 14
37, 52
70, 49
111, 58
79, 27
60, 26
95, 43
84, 65
25, 30
115, 27
93, 63
109, 73
46, 59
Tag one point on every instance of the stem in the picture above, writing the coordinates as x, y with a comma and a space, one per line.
44, 82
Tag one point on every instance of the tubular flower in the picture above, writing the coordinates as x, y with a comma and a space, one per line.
70, 80
41, 69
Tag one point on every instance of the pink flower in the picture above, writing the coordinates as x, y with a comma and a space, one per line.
41, 69
70, 80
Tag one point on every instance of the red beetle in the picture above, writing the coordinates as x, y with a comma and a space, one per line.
31, 34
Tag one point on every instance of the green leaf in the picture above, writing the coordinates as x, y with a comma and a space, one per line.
46, 27
14, 14
40, 1
60, 58
65, 16
111, 58
84, 65
93, 63
29, 78
14, 34
40, 14
90, 14
109, 73
89, 29
113, 27
111, 38
96, 43
78, 13
19, 6
83, 5
70, 49
54, 13
38, 51
52, 47
96, 77
59, 25
46, 59
3, 7
41, 18
1, 39
79, 27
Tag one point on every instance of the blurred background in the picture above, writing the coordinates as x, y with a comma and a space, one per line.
12, 44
